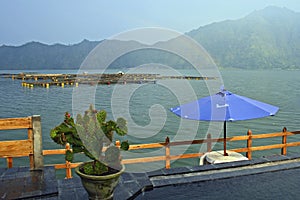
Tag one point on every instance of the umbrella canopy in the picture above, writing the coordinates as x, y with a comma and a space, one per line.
224, 106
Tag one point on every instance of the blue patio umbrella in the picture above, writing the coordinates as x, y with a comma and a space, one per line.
224, 106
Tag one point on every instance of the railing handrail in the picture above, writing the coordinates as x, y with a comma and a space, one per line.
167, 145
33, 126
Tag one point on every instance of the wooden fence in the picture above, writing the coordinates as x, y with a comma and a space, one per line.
31, 147
167, 157
26, 148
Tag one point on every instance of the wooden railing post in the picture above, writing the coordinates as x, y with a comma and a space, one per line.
118, 144
68, 164
30, 138
249, 145
167, 141
208, 144
38, 160
9, 161
284, 140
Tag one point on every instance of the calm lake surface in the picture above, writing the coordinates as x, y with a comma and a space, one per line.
280, 88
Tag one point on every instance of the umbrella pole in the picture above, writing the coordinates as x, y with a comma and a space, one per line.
225, 153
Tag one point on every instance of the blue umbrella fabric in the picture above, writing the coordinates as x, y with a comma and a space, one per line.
224, 106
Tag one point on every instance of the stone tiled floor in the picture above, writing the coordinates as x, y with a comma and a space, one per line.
271, 185
22, 183
276, 177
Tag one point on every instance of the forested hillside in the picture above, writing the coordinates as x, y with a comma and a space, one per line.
268, 38
35, 55
264, 39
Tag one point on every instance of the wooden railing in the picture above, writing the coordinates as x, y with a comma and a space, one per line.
32, 146
167, 157
67, 165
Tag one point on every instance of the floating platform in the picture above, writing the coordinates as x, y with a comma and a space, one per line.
47, 80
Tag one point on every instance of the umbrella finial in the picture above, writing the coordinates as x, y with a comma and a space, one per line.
222, 91
222, 88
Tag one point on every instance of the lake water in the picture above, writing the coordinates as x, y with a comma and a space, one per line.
280, 88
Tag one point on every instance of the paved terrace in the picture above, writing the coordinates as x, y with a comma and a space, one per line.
276, 177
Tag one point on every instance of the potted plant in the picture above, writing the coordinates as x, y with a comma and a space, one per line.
91, 134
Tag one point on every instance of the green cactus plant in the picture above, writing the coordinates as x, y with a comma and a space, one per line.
89, 134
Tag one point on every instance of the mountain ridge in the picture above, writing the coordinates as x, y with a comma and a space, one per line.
268, 38
264, 39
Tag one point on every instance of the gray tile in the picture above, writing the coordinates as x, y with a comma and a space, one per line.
156, 173
178, 170
275, 158
258, 161
201, 168
293, 155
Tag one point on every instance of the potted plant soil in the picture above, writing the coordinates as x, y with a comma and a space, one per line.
93, 135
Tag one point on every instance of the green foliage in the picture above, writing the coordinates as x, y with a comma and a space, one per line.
125, 145
112, 156
95, 168
69, 156
92, 130
265, 39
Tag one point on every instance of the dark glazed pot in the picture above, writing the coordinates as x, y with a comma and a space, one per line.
99, 187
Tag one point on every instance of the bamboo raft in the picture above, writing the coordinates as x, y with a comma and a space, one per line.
47, 80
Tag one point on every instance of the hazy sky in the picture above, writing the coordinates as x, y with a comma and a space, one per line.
71, 21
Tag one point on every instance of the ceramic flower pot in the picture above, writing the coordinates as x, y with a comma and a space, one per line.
99, 187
